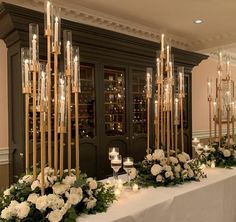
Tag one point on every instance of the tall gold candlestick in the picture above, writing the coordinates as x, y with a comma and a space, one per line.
228, 124
233, 127
55, 110
158, 115
34, 126
168, 135
42, 144
77, 133
162, 94
210, 121
61, 150
69, 120
176, 139
220, 115
182, 123
148, 127
27, 132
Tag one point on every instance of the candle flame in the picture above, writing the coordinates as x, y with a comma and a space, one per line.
76, 59
176, 100
34, 36
56, 19
68, 43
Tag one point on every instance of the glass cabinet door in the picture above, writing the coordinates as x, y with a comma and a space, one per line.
87, 115
139, 103
114, 101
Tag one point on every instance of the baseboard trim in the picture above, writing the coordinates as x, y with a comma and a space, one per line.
4, 156
203, 134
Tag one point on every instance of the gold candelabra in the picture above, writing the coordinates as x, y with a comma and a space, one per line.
224, 106
167, 105
64, 85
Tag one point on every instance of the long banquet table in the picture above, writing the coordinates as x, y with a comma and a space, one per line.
211, 200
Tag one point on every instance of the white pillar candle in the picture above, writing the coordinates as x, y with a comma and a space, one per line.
116, 160
43, 86
76, 70
158, 68
170, 68
214, 108
156, 106
128, 162
62, 109
220, 59
176, 108
34, 44
26, 72
162, 42
68, 52
167, 54
180, 82
48, 14
56, 31
227, 67
209, 88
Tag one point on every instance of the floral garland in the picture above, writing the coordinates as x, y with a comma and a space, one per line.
155, 170
224, 156
64, 198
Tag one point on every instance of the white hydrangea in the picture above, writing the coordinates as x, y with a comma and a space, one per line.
74, 196
167, 168
42, 203
60, 188
6, 214
69, 180
177, 168
156, 169
32, 198
182, 158
149, 157
158, 154
27, 179
159, 178
90, 202
55, 202
55, 216
92, 183
13, 207
173, 160
23, 210
226, 153
169, 174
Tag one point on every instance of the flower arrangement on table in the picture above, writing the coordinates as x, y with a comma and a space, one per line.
156, 171
224, 156
64, 198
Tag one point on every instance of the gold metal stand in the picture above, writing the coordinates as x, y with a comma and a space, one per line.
181, 122
210, 124
148, 126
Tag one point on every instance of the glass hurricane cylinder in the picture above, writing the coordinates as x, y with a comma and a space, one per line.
116, 163
25, 70
181, 80
67, 43
48, 16
56, 30
75, 79
113, 151
149, 82
128, 164
34, 43
62, 107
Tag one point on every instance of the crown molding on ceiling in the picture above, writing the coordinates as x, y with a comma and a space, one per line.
94, 18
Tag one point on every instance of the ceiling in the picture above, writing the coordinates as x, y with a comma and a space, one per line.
149, 18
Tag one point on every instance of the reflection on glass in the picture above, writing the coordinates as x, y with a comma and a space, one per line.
139, 103
114, 94
87, 102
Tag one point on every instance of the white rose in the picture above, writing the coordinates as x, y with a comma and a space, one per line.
226, 153
159, 178
76, 190
34, 185
28, 179
60, 188
13, 207
74, 199
69, 180
168, 174
133, 173
173, 160
182, 158
177, 168
167, 168
149, 157
158, 154
23, 210
42, 203
90, 202
186, 166
7, 192
156, 169
6, 214
92, 183
32, 198
54, 201
190, 173
187, 157
55, 216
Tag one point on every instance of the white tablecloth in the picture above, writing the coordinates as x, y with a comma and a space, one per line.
211, 200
